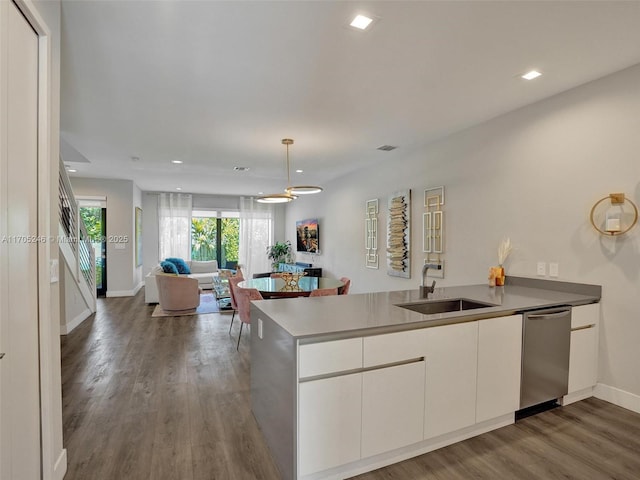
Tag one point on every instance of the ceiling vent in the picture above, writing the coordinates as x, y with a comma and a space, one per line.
386, 148
241, 169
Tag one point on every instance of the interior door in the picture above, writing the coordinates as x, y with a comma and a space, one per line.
20, 455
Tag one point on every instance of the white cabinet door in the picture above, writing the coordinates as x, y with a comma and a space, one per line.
329, 422
583, 359
392, 407
499, 366
450, 398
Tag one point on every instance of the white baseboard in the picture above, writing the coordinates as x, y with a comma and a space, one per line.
74, 322
120, 293
60, 468
618, 397
577, 396
138, 287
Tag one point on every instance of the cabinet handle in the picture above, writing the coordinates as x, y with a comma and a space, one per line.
547, 315
583, 327
1, 356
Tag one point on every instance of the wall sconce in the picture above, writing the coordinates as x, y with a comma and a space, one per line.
620, 216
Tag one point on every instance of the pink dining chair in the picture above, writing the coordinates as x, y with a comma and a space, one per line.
233, 286
244, 296
347, 284
323, 292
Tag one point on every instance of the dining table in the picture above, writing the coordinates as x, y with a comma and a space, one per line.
278, 287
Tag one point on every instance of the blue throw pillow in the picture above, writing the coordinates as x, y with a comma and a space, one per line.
180, 264
169, 267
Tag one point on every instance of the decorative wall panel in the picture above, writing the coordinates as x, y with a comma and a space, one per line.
371, 233
399, 234
433, 229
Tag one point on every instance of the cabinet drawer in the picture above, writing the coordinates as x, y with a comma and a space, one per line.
330, 357
585, 315
394, 347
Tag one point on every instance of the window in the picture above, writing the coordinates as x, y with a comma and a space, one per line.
215, 235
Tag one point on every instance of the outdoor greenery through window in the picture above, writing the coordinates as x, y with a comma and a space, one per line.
215, 236
93, 218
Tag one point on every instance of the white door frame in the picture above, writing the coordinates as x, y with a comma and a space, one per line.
50, 421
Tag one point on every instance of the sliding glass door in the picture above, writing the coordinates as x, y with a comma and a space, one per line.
215, 235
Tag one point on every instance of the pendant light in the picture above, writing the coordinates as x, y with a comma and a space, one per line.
299, 189
280, 197
291, 193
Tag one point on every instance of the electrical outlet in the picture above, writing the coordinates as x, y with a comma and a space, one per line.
553, 270
542, 269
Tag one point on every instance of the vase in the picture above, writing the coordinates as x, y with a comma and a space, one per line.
496, 276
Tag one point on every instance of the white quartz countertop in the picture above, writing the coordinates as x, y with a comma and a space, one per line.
372, 313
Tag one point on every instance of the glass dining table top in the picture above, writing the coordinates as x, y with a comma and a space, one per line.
284, 287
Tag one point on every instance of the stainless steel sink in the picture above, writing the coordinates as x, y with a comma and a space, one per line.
445, 306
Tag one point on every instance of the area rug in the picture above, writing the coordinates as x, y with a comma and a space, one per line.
208, 304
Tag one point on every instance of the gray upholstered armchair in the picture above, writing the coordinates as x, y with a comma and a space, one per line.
177, 292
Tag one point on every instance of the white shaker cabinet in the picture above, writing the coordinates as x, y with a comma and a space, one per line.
499, 367
450, 402
583, 356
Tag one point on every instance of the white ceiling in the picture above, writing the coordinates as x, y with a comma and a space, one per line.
218, 84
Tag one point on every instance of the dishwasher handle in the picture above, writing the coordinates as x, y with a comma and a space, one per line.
540, 316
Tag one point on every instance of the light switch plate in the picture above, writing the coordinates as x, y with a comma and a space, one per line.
54, 271
553, 269
542, 269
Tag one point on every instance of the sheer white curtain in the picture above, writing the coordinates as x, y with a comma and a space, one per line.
174, 225
256, 234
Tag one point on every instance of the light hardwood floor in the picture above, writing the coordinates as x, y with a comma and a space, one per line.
169, 398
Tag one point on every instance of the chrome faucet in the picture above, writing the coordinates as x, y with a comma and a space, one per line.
425, 290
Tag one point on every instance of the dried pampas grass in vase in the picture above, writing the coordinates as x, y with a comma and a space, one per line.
504, 249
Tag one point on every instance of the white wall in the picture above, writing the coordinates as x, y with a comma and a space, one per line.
138, 279
122, 276
150, 248
73, 308
532, 175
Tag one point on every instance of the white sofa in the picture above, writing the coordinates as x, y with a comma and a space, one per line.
202, 271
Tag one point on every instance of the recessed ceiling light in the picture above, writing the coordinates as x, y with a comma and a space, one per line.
177, 162
531, 75
178, 188
299, 171
71, 170
361, 22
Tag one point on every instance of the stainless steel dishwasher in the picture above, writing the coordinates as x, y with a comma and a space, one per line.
546, 336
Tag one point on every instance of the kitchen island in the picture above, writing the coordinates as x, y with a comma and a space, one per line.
346, 384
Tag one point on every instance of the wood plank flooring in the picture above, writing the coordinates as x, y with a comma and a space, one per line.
169, 398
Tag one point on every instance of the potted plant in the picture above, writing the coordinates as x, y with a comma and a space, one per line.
278, 253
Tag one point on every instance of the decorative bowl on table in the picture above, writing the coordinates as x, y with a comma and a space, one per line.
291, 281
